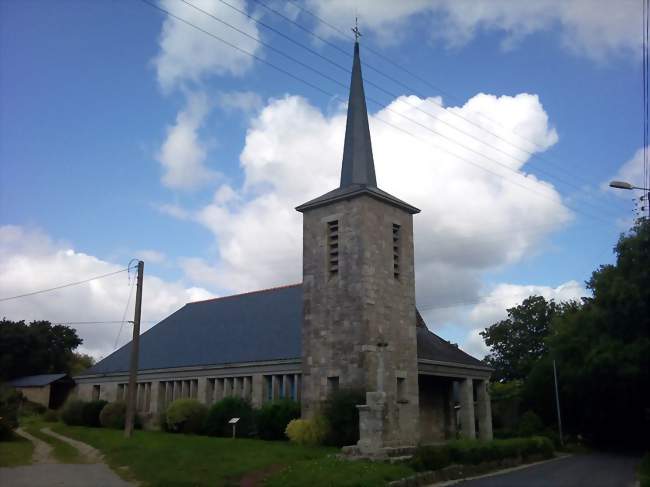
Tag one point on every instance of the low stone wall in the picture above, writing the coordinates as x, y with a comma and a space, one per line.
454, 472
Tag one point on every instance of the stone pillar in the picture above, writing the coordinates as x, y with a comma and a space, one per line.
467, 426
257, 390
297, 385
450, 413
274, 387
204, 391
147, 397
227, 386
157, 396
484, 410
371, 424
218, 389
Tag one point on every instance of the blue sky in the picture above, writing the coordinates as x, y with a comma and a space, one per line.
86, 111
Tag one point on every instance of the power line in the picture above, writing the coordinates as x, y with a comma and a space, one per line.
393, 95
458, 115
64, 285
372, 100
126, 308
110, 322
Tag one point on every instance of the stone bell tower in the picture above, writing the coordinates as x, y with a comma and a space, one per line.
359, 319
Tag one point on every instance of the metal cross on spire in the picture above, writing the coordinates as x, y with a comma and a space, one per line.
357, 32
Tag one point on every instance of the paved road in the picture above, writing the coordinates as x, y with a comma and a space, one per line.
593, 470
61, 475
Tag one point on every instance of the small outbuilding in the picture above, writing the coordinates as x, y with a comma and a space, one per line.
49, 390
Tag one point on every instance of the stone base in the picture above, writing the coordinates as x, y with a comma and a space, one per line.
386, 454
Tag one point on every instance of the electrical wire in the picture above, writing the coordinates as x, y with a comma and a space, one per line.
64, 285
532, 154
126, 308
318, 88
550, 174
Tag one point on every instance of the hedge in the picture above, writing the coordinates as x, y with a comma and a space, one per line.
307, 431
90, 413
72, 412
472, 452
342, 416
185, 416
273, 417
9, 403
216, 423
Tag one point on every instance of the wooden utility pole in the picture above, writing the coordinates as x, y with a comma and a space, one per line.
135, 346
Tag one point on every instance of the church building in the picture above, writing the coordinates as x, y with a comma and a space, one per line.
351, 323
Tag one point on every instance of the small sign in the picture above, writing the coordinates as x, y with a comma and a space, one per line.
233, 420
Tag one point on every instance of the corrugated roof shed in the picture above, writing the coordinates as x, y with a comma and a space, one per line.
35, 380
253, 327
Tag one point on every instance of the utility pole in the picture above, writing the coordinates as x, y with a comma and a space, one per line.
557, 404
135, 346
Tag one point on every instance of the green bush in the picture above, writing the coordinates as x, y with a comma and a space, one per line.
529, 424
342, 416
113, 415
51, 416
185, 416
72, 412
273, 417
29, 408
9, 404
472, 452
307, 431
216, 423
644, 471
90, 413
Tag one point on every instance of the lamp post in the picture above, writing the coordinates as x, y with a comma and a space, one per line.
626, 185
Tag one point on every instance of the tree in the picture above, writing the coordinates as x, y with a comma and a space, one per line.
37, 348
517, 342
80, 362
603, 349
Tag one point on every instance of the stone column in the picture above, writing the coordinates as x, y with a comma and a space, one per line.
274, 387
218, 389
147, 397
450, 412
257, 390
246, 387
467, 426
227, 386
371, 424
484, 410
157, 396
204, 391
296, 381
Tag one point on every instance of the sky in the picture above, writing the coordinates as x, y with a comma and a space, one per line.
185, 132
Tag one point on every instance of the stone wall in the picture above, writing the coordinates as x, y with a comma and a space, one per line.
347, 315
39, 395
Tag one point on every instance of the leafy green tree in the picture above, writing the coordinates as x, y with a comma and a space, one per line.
36, 348
80, 362
517, 342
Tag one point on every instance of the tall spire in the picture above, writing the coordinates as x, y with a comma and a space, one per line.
358, 164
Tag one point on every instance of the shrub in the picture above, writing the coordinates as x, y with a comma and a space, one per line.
9, 403
644, 471
342, 416
185, 416
51, 416
90, 413
273, 417
529, 424
113, 415
472, 452
307, 431
216, 423
72, 412
29, 408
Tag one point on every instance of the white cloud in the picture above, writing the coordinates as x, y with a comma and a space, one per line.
593, 28
471, 220
631, 172
493, 307
188, 55
31, 260
245, 101
153, 256
183, 154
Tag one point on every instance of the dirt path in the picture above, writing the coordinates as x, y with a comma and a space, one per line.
90, 454
42, 451
46, 472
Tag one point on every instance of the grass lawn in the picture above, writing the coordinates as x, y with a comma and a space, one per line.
17, 451
165, 459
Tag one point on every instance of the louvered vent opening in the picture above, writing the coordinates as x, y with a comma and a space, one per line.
333, 247
396, 250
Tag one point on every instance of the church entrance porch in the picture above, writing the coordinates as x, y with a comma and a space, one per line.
453, 407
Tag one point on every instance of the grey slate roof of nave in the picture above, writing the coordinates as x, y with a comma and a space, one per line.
252, 327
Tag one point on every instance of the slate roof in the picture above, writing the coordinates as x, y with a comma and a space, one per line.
35, 380
253, 327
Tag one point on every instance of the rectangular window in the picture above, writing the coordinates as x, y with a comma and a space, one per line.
332, 384
396, 250
333, 247
401, 390
96, 390
121, 392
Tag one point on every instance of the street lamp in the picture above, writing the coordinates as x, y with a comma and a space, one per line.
626, 185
